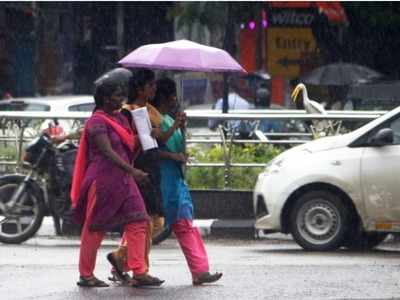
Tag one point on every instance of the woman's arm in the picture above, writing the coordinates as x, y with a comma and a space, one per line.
164, 136
104, 145
181, 157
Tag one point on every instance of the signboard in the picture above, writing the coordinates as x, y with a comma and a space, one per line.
286, 49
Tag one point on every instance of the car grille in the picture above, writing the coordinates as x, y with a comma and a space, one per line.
262, 209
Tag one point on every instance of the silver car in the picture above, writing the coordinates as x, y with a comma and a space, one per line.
56, 104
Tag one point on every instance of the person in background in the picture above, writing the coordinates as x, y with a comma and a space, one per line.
54, 129
177, 202
235, 102
74, 135
7, 95
103, 200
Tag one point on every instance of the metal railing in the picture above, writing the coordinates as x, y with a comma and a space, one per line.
17, 122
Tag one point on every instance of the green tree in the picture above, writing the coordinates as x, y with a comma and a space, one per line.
220, 18
370, 38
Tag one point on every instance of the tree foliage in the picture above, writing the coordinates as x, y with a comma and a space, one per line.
216, 16
370, 38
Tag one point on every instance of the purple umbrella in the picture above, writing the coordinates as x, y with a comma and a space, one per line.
182, 55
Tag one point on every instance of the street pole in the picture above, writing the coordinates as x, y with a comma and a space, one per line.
37, 33
228, 46
225, 103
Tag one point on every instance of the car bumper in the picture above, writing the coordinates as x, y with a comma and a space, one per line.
269, 190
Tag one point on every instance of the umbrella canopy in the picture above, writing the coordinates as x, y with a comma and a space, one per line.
181, 55
117, 75
340, 74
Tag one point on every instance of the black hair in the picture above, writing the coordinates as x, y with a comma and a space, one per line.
132, 93
139, 79
104, 90
143, 76
165, 88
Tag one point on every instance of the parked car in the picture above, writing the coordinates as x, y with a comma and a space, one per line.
335, 191
52, 104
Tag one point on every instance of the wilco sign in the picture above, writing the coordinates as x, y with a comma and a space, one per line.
291, 17
289, 40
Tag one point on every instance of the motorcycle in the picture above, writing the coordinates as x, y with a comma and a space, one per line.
26, 198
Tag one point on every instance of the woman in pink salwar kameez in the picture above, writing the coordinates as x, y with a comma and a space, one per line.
104, 192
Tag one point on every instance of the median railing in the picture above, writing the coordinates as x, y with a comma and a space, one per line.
18, 128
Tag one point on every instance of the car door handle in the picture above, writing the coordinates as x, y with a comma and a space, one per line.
336, 162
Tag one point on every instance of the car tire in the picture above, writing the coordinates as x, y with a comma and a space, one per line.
318, 221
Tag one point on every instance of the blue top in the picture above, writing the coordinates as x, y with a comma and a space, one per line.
177, 202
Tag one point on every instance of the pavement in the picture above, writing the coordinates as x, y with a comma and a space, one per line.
46, 268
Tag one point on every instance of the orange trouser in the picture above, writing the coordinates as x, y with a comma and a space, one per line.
155, 226
134, 233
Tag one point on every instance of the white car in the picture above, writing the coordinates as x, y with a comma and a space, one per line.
335, 191
52, 104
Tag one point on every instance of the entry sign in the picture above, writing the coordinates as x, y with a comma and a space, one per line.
286, 48
289, 39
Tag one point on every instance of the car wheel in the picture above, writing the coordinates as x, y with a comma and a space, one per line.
318, 221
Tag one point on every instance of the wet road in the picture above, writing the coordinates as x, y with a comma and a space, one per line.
46, 268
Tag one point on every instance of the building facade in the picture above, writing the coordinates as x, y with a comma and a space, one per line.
49, 48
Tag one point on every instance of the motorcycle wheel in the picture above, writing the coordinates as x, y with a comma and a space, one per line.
25, 220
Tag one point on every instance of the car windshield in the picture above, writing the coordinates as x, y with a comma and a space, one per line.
23, 106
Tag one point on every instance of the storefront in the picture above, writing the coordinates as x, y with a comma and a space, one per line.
293, 41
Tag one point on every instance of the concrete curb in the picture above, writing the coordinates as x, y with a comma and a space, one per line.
218, 228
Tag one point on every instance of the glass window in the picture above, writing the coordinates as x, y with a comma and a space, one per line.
22, 106
82, 107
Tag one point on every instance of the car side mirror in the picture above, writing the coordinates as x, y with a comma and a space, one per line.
383, 137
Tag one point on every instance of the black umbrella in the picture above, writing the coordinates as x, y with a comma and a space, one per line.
340, 74
118, 75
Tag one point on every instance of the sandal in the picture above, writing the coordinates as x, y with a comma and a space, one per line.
207, 278
91, 282
118, 272
146, 280
126, 278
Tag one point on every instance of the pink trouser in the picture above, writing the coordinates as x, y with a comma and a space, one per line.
134, 232
192, 246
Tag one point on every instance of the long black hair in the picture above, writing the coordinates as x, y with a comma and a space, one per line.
165, 88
